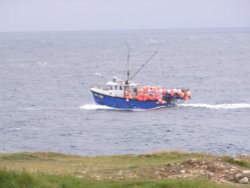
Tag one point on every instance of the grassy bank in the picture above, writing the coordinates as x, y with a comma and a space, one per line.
169, 169
23, 179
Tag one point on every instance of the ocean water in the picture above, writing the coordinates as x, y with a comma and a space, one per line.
46, 105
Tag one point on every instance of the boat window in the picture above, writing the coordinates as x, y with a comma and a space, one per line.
120, 87
110, 88
116, 87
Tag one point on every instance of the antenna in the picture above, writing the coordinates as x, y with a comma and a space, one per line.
146, 62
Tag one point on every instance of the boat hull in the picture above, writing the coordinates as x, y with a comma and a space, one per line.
122, 103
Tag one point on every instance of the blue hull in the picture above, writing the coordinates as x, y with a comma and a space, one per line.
121, 103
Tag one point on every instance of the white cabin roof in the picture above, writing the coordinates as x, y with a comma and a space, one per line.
112, 84
120, 82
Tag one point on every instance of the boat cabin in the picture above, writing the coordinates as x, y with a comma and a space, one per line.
117, 87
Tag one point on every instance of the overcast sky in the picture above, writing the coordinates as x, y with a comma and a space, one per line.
49, 15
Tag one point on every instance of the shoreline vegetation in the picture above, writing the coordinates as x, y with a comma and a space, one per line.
161, 169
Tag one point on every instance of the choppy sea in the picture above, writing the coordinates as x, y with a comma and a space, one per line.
46, 105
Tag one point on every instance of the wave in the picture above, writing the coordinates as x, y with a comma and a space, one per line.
102, 107
218, 106
197, 105
95, 107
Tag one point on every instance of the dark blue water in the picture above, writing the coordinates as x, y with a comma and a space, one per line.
45, 103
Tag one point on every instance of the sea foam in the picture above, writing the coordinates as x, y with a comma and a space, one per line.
218, 106
95, 107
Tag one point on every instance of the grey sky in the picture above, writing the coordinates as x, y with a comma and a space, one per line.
45, 15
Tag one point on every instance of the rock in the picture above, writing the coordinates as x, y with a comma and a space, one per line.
232, 169
204, 166
238, 177
193, 160
183, 171
246, 172
213, 168
244, 180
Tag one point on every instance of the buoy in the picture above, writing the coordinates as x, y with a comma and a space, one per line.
172, 93
150, 98
140, 97
139, 91
154, 89
156, 96
145, 89
181, 94
188, 93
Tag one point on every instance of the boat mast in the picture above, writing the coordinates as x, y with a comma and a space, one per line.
128, 64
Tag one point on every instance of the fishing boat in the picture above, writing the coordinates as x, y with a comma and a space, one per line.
128, 95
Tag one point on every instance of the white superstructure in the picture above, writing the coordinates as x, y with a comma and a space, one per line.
116, 88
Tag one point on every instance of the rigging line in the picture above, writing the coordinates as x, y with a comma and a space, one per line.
146, 62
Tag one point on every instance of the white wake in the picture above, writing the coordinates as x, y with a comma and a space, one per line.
218, 106
102, 107
95, 107
92, 106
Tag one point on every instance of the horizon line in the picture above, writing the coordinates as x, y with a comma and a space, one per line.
147, 29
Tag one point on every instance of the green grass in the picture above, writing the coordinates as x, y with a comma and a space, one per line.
59, 164
55, 170
11, 179
237, 161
